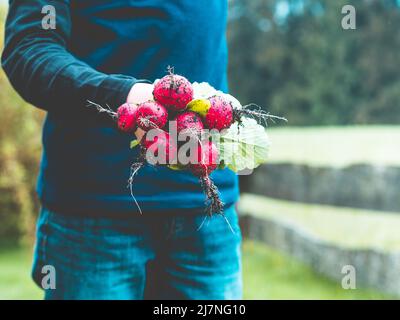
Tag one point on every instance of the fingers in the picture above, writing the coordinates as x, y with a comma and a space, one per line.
139, 133
140, 92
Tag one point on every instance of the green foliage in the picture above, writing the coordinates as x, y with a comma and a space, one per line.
307, 68
20, 132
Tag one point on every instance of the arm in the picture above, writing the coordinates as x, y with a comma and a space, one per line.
41, 69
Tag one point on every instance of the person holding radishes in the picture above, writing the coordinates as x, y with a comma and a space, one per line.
89, 228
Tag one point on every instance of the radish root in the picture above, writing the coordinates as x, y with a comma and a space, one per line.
101, 109
213, 201
145, 121
135, 167
257, 114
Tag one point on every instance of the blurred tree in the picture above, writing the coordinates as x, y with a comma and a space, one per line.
20, 132
294, 58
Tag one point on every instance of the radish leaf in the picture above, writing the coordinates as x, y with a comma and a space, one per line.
244, 146
134, 143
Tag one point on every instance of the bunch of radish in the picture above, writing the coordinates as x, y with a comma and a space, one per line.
174, 101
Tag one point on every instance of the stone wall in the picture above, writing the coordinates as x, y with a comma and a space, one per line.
359, 186
374, 269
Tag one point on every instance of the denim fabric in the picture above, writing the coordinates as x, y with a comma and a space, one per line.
153, 256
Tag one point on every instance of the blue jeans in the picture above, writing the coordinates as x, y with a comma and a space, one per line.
149, 256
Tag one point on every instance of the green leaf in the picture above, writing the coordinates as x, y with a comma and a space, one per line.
244, 146
134, 143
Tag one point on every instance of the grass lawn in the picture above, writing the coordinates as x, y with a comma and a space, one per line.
336, 146
353, 228
15, 281
267, 275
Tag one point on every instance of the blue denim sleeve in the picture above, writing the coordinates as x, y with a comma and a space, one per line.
43, 71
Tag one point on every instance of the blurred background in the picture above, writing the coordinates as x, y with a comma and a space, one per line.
328, 201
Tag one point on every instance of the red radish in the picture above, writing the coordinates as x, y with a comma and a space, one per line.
206, 160
174, 92
220, 111
164, 150
152, 136
126, 117
151, 115
160, 149
190, 122
220, 114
